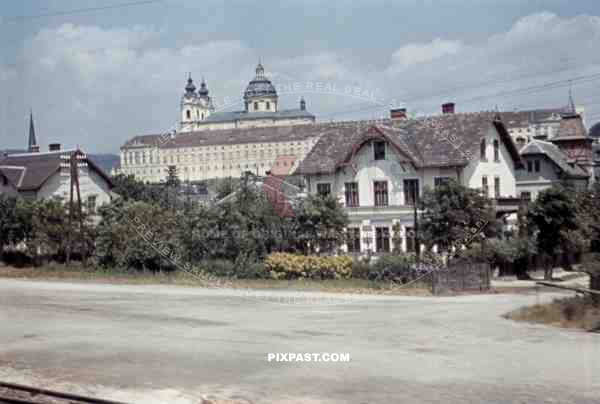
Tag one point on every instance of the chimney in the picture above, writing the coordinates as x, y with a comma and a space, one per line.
34, 149
54, 146
448, 108
398, 113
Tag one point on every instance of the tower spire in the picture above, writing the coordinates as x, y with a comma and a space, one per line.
32, 140
572, 108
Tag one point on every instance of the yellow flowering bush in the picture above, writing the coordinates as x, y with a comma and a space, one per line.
293, 266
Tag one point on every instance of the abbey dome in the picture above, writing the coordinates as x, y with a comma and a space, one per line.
261, 108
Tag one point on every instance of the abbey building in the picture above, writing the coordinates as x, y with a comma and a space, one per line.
210, 143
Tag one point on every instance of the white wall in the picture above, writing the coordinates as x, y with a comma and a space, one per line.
503, 169
90, 183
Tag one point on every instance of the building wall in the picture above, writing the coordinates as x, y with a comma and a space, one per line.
503, 169
90, 183
207, 162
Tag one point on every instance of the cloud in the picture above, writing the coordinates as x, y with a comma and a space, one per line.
98, 86
417, 53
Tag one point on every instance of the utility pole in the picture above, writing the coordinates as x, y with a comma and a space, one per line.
74, 187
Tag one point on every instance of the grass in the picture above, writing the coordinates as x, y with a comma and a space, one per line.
55, 272
572, 312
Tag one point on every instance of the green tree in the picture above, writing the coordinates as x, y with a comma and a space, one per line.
15, 221
137, 235
320, 224
553, 215
451, 212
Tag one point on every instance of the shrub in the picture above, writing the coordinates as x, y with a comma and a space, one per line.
292, 266
394, 267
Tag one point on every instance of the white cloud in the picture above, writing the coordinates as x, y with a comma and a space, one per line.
417, 53
99, 86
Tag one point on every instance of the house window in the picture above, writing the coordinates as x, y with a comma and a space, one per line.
351, 189
409, 235
439, 181
268, 105
411, 192
91, 204
379, 150
526, 195
324, 189
496, 151
381, 193
482, 150
497, 187
256, 106
484, 185
529, 166
382, 239
353, 241
537, 166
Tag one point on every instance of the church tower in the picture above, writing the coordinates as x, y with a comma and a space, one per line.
195, 106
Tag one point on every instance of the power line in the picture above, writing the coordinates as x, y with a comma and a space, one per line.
79, 10
519, 91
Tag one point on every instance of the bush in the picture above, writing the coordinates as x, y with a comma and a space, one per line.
394, 267
291, 266
361, 268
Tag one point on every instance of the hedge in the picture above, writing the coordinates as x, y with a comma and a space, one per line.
292, 266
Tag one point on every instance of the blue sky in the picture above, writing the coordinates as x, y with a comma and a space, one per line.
99, 77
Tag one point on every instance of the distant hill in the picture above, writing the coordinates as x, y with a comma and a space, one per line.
106, 161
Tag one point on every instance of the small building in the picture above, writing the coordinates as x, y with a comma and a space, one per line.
545, 165
46, 175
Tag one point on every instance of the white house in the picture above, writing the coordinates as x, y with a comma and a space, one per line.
378, 170
45, 175
545, 165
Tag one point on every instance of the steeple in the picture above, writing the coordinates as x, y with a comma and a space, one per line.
203, 91
571, 107
32, 140
190, 88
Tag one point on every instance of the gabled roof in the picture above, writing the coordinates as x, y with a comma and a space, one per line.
449, 140
556, 155
29, 171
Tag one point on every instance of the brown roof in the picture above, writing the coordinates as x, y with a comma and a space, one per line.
523, 118
449, 140
571, 128
29, 171
229, 136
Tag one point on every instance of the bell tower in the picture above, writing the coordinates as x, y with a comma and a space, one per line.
195, 106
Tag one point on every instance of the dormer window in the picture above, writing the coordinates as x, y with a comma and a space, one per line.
379, 150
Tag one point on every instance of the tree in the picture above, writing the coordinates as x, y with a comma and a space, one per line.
553, 215
15, 221
320, 222
137, 235
452, 212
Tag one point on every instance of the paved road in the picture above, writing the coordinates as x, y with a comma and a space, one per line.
165, 344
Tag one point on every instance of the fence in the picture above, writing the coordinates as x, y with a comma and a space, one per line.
461, 276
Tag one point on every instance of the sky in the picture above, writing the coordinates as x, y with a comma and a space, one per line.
96, 73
